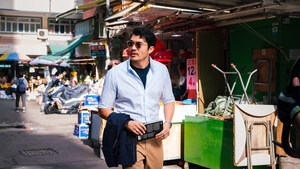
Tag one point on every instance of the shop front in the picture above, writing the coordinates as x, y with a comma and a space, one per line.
202, 138
10, 65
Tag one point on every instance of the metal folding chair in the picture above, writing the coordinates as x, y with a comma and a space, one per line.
231, 97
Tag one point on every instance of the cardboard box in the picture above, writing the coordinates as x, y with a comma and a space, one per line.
81, 130
91, 100
84, 117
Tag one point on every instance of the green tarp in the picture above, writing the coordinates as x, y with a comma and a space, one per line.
55, 49
67, 51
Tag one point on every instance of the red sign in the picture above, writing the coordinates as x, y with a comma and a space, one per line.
191, 74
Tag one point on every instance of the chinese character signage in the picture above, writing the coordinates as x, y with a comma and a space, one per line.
191, 74
98, 50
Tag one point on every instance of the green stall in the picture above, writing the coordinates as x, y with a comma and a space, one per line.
208, 142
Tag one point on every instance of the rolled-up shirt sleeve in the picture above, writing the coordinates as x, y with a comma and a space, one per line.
167, 94
109, 92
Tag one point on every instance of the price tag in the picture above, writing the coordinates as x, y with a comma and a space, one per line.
191, 74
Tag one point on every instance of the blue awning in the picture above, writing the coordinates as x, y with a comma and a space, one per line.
67, 51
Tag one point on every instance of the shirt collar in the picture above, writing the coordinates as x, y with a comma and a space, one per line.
151, 61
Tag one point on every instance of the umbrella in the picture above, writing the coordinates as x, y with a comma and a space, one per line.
39, 61
14, 57
64, 64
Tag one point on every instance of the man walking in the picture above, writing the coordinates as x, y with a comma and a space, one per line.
135, 87
22, 85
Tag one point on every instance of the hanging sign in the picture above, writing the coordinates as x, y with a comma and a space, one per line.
5, 66
97, 50
191, 74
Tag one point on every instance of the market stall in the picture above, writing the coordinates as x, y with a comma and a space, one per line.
208, 141
173, 149
11, 64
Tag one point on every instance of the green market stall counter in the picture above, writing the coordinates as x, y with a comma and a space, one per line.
208, 142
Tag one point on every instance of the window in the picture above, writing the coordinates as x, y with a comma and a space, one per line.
19, 24
15, 27
2, 26
62, 29
32, 28
67, 29
26, 27
56, 29
8, 26
38, 26
62, 26
21, 27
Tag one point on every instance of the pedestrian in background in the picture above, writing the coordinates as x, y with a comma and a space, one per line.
22, 85
134, 88
14, 83
182, 80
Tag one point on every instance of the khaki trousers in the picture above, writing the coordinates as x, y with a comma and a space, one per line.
149, 155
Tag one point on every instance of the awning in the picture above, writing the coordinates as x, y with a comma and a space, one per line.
86, 61
65, 53
118, 15
81, 8
55, 49
153, 12
111, 24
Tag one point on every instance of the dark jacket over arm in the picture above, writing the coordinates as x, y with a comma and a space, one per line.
119, 144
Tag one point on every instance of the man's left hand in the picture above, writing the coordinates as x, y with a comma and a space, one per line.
164, 133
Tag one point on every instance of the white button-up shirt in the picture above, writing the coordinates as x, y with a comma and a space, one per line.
124, 90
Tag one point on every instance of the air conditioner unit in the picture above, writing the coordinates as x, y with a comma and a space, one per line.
42, 33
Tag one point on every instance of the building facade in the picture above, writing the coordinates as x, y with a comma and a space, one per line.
29, 27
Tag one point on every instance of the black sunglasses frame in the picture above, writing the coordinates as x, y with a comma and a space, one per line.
130, 43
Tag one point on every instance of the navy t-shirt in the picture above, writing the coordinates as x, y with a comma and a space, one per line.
142, 73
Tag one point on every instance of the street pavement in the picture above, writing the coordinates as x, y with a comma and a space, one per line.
33, 140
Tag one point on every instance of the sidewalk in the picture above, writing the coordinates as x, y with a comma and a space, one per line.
35, 140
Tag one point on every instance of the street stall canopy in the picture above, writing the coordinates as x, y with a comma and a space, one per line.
84, 7
120, 14
65, 53
15, 57
152, 12
195, 15
231, 11
39, 61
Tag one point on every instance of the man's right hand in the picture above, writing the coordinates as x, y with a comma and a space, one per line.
136, 127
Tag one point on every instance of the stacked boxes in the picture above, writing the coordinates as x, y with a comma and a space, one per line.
84, 117
82, 128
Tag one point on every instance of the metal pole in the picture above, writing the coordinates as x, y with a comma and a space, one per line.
15, 71
49, 6
107, 32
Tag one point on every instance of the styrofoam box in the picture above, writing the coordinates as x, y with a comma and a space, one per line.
91, 100
84, 117
81, 130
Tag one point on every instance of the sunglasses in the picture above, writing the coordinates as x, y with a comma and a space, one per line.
138, 45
